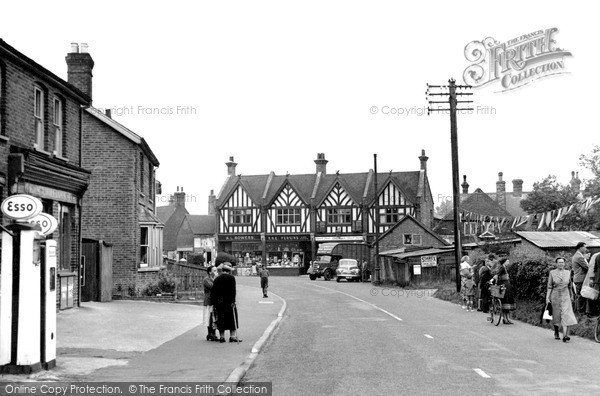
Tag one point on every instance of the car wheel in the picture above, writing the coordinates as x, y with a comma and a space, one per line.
328, 275
312, 277
337, 279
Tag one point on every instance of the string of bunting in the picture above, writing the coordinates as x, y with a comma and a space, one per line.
544, 220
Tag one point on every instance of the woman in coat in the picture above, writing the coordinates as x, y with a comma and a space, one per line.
559, 294
502, 279
223, 299
208, 306
485, 276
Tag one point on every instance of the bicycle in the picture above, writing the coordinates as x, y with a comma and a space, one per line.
597, 329
497, 293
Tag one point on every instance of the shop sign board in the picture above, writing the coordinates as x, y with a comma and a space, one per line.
428, 261
21, 207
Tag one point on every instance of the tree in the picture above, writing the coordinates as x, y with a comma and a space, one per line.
195, 258
592, 163
444, 208
548, 195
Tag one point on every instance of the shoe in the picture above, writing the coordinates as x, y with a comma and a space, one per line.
222, 339
507, 321
233, 339
264, 296
566, 339
556, 337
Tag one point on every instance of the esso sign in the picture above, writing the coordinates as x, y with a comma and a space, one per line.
21, 207
47, 222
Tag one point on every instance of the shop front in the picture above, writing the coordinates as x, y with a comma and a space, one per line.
288, 254
247, 249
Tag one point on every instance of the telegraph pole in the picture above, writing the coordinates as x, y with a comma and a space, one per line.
453, 107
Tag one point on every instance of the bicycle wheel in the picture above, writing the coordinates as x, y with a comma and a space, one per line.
497, 311
597, 330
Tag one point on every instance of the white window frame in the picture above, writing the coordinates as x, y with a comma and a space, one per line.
58, 129
38, 114
288, 216
146, 245
413, 239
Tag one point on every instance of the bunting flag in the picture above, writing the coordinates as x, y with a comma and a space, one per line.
546, 220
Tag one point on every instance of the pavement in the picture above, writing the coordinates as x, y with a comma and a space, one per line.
148, 341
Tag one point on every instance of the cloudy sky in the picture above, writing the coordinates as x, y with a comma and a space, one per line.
273, 83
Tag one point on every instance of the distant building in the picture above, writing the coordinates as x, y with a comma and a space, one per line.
281, 219
556, 243
41, 153
172, 217
197, 235
119, 207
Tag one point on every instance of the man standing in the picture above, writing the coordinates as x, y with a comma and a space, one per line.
580, 268
223, 298
264, 280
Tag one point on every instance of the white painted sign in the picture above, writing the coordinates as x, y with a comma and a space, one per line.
47, 222
21, 207
428, 261
416, 269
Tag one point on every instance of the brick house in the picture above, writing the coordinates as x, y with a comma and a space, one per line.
119, 206
197, 235
40, 153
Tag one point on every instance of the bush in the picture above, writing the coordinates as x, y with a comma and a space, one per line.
196, 259
529, 276
223, 257
166, 283
151, 290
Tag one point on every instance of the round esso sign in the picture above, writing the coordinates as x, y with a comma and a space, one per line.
47, 222
21, 207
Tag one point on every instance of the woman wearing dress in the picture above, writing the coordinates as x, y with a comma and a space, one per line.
208, 305
502, 279
559, 294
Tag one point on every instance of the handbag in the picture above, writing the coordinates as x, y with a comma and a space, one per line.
547, 312
589, 292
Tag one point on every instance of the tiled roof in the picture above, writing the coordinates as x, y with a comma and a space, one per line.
148, 217
165, 212
480, 203
304, 185
202, 224
418, 223
513, 203
560, 239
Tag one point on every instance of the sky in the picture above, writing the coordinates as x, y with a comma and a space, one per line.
273, 83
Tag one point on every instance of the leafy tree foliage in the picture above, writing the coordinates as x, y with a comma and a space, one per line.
547, 195
444, 208
592, 163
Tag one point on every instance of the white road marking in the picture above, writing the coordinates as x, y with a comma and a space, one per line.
266, 302
428, 336
363, 301
481, 372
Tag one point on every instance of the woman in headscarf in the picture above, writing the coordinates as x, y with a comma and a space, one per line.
208, 306
559, 294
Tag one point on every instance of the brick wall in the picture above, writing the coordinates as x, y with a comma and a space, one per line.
395, 239
112, 202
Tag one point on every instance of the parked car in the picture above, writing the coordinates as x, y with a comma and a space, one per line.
329, 255
348, 269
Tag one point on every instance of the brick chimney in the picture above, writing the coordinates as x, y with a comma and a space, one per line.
517, 187
465, 185
212, 199
180, 197
321, 163
423, 158
501, 191
575, 182
79, 68
231, 167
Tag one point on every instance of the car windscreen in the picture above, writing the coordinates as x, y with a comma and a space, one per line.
324, 259
348, 263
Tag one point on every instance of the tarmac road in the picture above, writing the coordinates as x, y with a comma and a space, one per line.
356, 339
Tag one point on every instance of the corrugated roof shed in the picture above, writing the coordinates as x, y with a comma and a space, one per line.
560, 239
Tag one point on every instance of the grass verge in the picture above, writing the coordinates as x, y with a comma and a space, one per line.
527, 311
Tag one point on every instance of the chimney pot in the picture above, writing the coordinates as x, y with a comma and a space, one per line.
74, 48
465, 185
231, 167
423, 158
501, 191
83, 48
517, 187
108, 113
500, 174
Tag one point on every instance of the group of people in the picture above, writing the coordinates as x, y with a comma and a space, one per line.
220, 311
564, 289
477, 282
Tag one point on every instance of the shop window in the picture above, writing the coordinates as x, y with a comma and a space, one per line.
339, 216
288, 216
412, 239
38, 114
65, 238
58, 127
240, 216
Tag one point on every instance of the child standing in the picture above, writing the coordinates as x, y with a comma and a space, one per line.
469, 287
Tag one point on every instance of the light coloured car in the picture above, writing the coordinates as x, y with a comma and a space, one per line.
348, 269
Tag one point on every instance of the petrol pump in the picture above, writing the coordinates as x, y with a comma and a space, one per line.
28, 284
